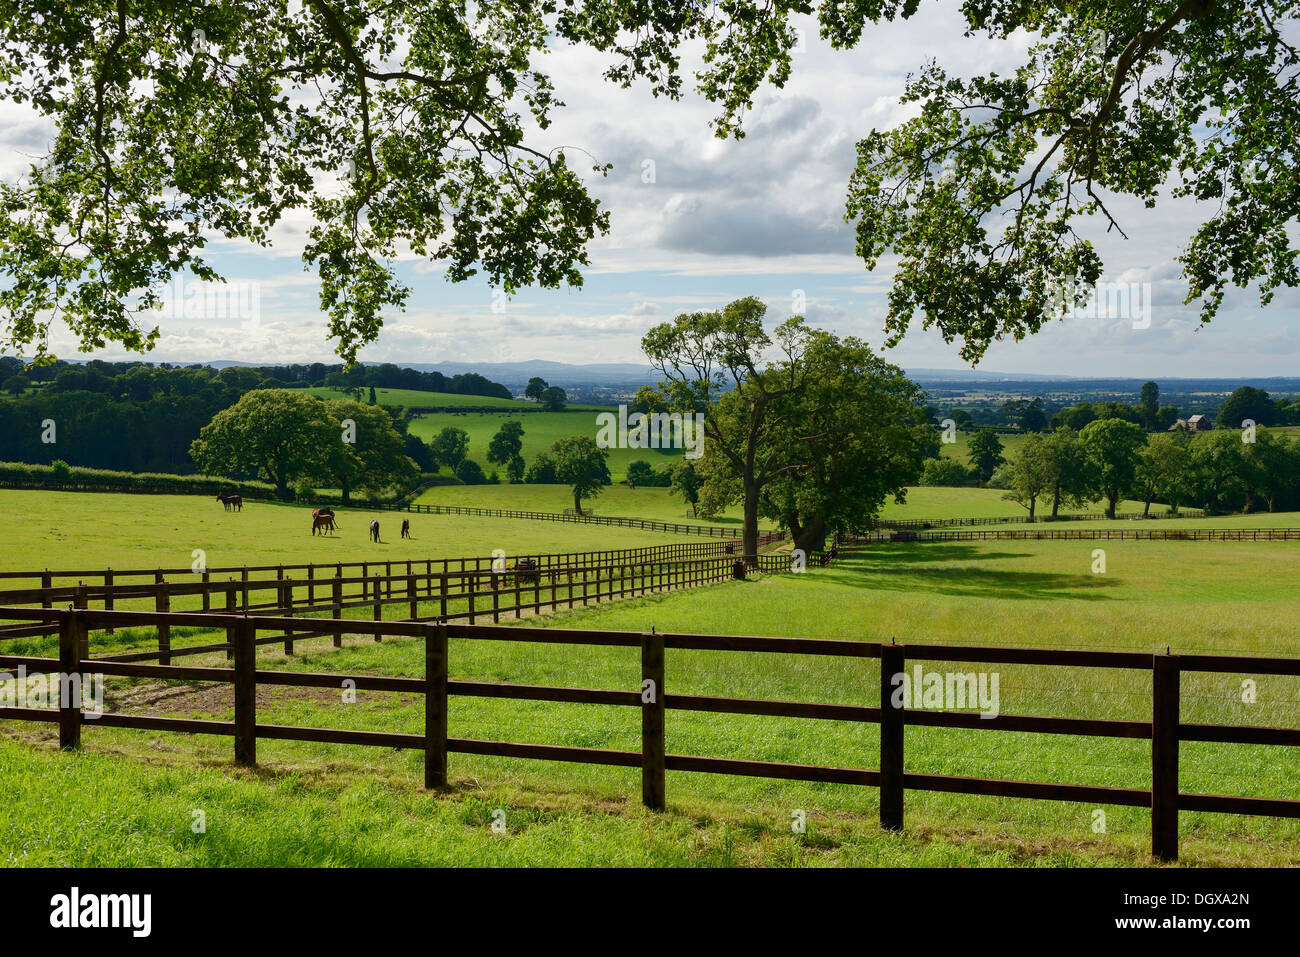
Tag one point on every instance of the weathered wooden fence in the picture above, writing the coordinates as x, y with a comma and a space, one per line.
1082, 534
1165, 730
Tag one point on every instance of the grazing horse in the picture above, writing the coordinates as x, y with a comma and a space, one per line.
324, 513
527, 570
231, 500
374, 529
406, 528
323, 522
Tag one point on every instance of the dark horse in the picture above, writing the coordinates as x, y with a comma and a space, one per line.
374, 529
406, 528
231, 500
325, 523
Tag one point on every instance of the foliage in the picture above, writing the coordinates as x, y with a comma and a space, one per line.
450, 446
985, 454
582, 465
1110, 448
944, 471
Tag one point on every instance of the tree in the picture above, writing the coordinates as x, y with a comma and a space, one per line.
1110, 447
278, 435
375, 457
470, 472
542, 471
944, 471
374, 399
685, 481
582, 465
1245, 403
506, 449
1150, 405
856, 435
536, 386
1067, 476
450, 446
1025, 414
1030, 474
981, 195
1164, 470
712, 364
1075, 417
643, 474
985, 454
553, 398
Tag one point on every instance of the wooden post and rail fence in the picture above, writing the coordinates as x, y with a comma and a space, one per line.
890, 776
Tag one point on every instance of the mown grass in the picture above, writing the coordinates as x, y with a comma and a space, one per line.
355, 805
61, 530
613, 500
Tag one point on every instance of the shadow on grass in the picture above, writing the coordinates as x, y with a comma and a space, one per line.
911, 567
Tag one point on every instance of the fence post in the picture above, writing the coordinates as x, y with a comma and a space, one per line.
286, 600
336, 599
108, 595
231, 604
411, 594
442, 593
379, 606
652, 721
163, 605
1164, 757
891, 740
69, 678
245, 694
207, 599
435, 706
80, 602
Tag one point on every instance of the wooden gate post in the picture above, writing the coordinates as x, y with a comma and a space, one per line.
652, 722
81, 601
379, 606
891, 740
1164, 757
435, 706
245, 694
69, 681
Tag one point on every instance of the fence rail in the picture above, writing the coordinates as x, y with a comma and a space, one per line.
1089, 534
922, 523
1165, 730
480, 588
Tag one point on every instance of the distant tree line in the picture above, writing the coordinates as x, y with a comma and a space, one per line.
137, 417
1247, 469
1040, 415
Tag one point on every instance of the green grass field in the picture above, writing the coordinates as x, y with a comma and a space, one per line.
416, 398
79, 530
613, 500
541, 431
326, 804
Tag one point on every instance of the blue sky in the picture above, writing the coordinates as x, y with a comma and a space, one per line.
762, 216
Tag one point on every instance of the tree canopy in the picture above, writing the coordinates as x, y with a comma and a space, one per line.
395, 127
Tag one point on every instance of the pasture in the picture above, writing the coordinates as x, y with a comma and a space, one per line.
541, 431
331, 804
80, 530
416, 398
613, 500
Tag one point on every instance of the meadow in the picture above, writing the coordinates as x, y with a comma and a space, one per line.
541, 431
614, 500
416, 399
330, 804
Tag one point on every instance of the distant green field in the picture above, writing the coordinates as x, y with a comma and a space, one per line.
655, 503
541, 431
414, 398
928, 502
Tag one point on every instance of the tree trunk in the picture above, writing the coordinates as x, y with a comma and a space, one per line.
749, 533
1146, 507
812, 537
1056, 500
347, 493
1112, 499
577, 503
1033, 503
1250, 500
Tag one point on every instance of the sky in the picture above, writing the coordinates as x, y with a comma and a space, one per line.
717, 220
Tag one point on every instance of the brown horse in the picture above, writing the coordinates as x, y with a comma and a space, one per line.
324, 513
325, 523
231, 500
406, 528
